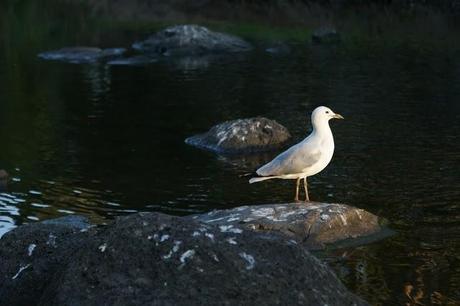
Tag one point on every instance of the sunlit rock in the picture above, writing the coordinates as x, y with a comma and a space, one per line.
242, 136
82, 55
191, 40
315, 225
156, 259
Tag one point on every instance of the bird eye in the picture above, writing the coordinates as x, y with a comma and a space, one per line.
327, 112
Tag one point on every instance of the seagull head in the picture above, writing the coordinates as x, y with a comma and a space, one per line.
323, 113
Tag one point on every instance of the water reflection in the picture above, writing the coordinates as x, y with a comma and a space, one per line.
50, 199
98, 78
9, 210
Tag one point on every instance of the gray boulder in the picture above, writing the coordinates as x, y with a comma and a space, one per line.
191, 40
242, 136
325, 35
82, 55
155, 259
315, 225
31, 254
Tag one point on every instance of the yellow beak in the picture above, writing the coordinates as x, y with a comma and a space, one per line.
338, 116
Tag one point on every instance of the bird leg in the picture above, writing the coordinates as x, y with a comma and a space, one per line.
297, 190
307, 199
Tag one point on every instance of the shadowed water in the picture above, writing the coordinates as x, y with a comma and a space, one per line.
104, 141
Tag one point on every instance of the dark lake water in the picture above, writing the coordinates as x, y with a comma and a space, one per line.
105, 141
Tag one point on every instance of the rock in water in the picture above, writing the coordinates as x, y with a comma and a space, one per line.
82, 55
242, 136
31, 254
155, 259
315, 225
191, 40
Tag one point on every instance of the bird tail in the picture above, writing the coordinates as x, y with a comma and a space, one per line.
260, 179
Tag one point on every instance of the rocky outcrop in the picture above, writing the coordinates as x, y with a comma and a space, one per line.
192, 46
156, 259
186, 40
315, 225
82, 55
242, 136
31, 255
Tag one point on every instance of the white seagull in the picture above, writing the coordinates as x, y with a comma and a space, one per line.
307, 158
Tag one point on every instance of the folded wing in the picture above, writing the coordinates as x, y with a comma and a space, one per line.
294, 160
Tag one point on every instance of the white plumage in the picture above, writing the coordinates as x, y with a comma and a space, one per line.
308, 157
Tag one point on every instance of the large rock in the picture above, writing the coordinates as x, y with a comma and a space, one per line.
155, 259
315, 225
242, 136
191, 40
82, 55
31, 254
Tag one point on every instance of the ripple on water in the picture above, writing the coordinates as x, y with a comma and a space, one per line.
9, 211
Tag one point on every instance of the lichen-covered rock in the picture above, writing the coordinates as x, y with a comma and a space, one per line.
191, 40
325, 35
242, 136
315, 225
82, 55
155, 259
32, 253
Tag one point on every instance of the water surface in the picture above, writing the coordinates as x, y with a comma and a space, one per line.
105, 141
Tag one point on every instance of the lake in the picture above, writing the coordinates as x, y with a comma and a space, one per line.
105, 141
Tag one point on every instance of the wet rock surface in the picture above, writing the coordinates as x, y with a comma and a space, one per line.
82, 55
315, 225
156, 259
242, 136
191, 40
31, 255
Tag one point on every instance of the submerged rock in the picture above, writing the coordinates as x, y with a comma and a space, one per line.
325, 35
82, 55
242, 136
315, 225
191, 40
31, 254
